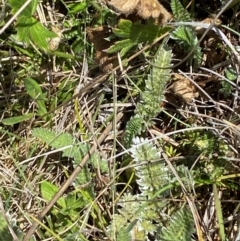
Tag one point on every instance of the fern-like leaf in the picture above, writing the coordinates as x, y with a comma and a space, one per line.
179, 12
132, 220
153, 95
124, 235
123, 45
180, 228
133, 128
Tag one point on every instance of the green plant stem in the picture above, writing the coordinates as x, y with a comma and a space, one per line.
219, 213
124, 101
48, 229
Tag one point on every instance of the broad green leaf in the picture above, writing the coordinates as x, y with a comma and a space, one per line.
133, 34
83, 177
76, 150
35, 91
17, 119
23, 27
137, 32
28, 11
29, 29
124, 28
48, 190
34, 4
40, 35
70, 199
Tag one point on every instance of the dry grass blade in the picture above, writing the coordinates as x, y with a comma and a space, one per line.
233, 127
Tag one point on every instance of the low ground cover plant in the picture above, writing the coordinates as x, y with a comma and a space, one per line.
119, 120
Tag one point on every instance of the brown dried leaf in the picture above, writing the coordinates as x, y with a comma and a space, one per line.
183, 88
144, 8
152, 8
98, 37
213, 51
124, 6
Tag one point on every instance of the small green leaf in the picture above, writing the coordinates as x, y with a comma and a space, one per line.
179, 12
70, 199
33, 88
73, 202
48, 190
35, 91
17, 119
77, 7
124, 28
187, 38
122, 44
230, 73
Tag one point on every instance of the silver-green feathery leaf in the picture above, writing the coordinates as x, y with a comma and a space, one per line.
152, 174
180, 228
153, 95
